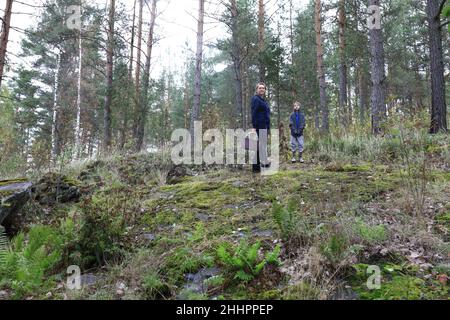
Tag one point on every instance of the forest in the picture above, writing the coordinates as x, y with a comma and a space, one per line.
93, 205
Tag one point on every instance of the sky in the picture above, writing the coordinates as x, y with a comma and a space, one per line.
176, 25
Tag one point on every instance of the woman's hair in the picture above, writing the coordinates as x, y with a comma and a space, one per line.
260, 84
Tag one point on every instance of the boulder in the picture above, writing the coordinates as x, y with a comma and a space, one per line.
176, 174
13, 195
54, 188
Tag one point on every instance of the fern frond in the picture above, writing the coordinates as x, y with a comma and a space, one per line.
4, 246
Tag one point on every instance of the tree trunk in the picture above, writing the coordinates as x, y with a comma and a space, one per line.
186, 101
55, 125
78, 123
321, 67
123, 131
4, 37
138, 70
237, 61
343, 99
363, 94
438, 103
195, 115
109, 78
261, 41
378, 97
146, 81
291, 42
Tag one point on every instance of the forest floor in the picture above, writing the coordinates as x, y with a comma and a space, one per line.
312, 231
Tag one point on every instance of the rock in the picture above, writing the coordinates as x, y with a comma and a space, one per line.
149, 236
176, 175
262, 233
88, 279
203, 217
13, 195
121, 287
238, 184
195, 281
54, 188
4, 295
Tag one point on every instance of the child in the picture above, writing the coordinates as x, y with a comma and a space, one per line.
297, 124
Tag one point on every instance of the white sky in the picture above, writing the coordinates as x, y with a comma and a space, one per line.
177, 25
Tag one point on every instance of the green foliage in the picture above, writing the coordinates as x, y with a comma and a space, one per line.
105, 217
243, 262
446, 13
154, 286
370, 233
336, 248
398, 282
294, 227
184, 260
4, 246
301, 291
285, 219
26, 266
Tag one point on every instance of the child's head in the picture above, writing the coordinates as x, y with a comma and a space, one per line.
296, 106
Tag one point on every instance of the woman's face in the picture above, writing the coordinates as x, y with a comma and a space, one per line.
261, 90
296, 107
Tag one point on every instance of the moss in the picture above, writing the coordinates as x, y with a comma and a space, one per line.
13, 181
184, 260
349, 168
398, 282
72, 181
301, 291
269, 295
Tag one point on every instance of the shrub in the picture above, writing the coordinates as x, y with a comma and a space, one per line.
295, 229
102, 229
243, 261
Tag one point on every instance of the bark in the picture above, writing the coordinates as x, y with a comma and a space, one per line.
237, 62
261, 41
146, 81
4, 37
343, 99
55, 118
363, 94
109, 77
186, 101
291, 42
438, 103
123, 131
138, 70
378, 97
195, 115
78, 121
320, 67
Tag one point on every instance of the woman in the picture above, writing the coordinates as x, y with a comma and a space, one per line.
260, 120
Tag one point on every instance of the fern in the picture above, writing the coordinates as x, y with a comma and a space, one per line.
243, 261
4, 248
285, 219
27, 263
272, 257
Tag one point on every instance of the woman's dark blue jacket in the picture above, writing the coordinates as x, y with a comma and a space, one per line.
260, 113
